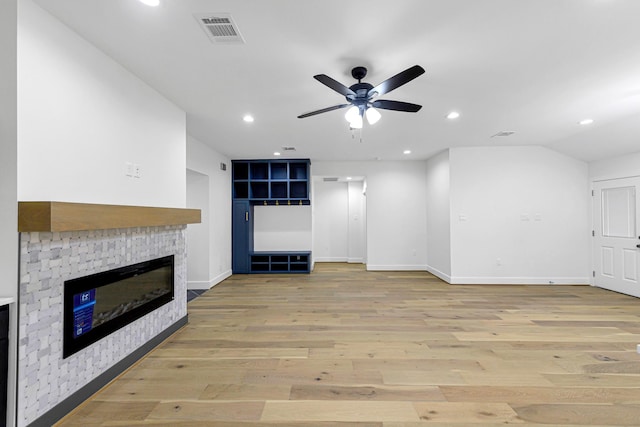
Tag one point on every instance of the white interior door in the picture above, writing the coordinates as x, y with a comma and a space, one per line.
616, 235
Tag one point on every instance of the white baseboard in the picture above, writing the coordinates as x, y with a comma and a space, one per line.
439, 274
372, 267
330, 259
208, 284
355, 260
457, 280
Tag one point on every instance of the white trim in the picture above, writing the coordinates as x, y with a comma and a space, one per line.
371, 267
439, 274
520, 281
208, 284
355, 260
199, 284
611, 177
7, 301
331, 259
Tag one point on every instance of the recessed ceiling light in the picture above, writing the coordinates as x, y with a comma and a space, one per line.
406, 152
585, 122
349, 178
453, 115
248, 118
504, 133
276, 153
152, 3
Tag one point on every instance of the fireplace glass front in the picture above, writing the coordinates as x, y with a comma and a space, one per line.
99, 304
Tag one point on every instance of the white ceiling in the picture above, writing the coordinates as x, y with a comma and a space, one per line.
535, 67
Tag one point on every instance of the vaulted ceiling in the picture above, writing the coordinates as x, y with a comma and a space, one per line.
534, 67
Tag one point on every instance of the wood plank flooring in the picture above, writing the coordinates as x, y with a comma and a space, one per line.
345, 347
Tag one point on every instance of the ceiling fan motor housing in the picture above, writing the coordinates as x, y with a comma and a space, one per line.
362, 93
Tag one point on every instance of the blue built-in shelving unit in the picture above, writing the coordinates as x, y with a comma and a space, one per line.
271, 182
266, 183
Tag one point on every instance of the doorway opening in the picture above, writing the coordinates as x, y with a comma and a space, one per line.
339, 219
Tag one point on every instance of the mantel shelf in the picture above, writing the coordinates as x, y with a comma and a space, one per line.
63, 216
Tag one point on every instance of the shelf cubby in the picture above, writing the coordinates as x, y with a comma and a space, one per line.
240, 171
259, 170
279, 190
241, 190
259, 190
298, 190
298, 170
278, 171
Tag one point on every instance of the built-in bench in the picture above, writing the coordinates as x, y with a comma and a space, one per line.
280, 262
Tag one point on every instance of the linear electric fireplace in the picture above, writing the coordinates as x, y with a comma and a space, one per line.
99, 304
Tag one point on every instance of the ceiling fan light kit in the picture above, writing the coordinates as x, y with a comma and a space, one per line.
373, 115
352, 114
360, 96
356, 123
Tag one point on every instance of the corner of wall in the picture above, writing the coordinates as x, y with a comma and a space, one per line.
9, 184
197, 285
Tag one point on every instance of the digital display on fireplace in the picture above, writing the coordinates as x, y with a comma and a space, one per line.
99, 304
83, 312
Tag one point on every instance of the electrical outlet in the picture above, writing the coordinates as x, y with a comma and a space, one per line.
498, 262
128, 169
137, 171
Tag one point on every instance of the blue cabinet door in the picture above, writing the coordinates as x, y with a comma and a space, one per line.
241, 235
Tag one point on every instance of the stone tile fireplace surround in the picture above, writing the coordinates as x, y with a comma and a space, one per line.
48, 384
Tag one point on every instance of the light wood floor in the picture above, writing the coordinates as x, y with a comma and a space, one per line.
346, 347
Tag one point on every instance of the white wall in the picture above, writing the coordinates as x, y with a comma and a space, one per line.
357, 232
439, 216
330, 221
8, 180
204, 160
395, 210
198, 235
282, 228
617, 167
82, 116
518, 215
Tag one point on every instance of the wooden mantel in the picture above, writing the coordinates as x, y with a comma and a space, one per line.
62, 216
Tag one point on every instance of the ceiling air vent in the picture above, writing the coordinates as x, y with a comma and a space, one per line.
330, 179
504, 133
288, 148
219, 27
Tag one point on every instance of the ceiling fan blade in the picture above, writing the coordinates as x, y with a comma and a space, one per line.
396, 81
334, 84
385, 104
324, 110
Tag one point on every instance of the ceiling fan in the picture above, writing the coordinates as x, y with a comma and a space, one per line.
360, 96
